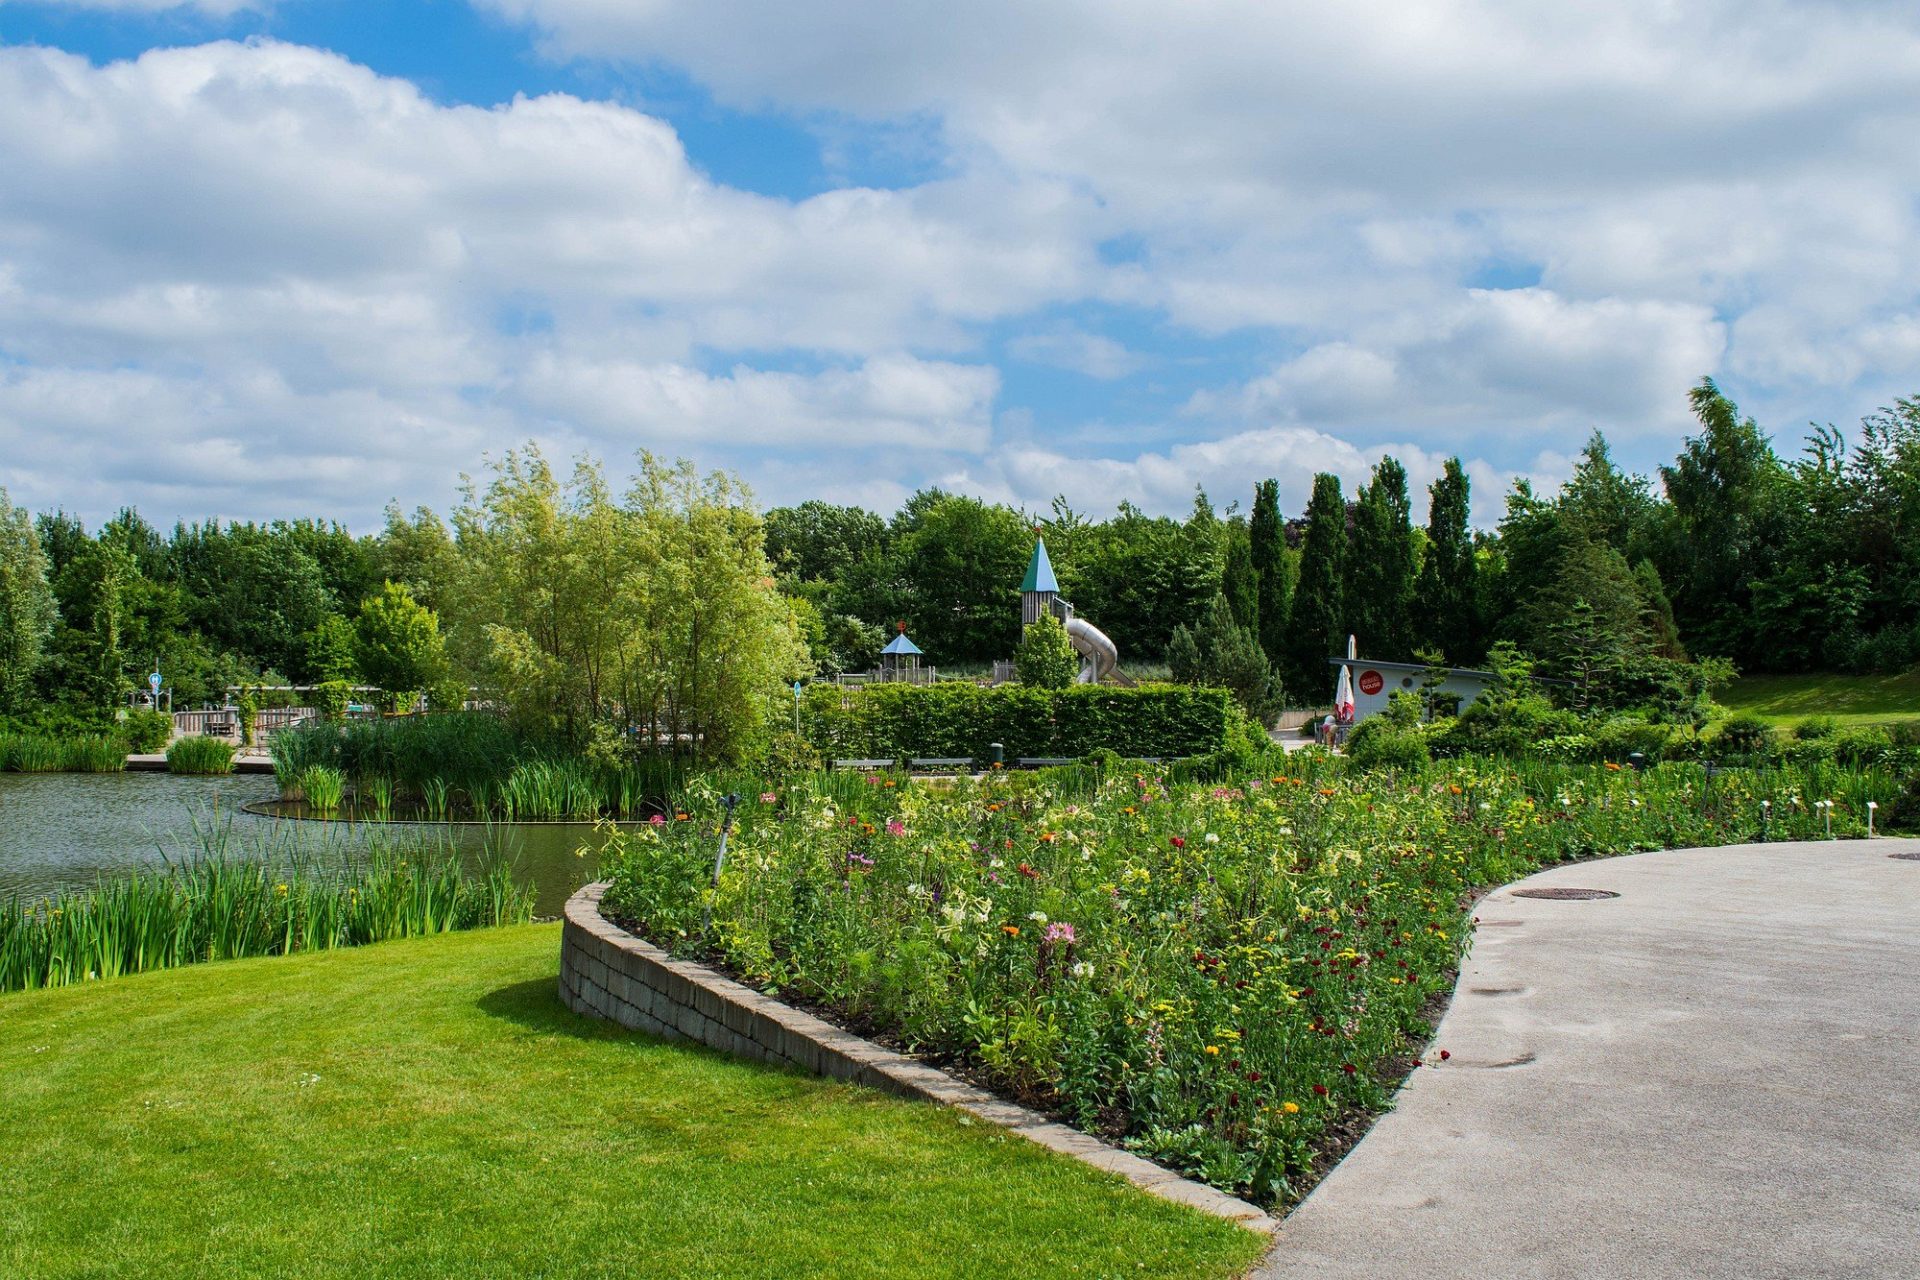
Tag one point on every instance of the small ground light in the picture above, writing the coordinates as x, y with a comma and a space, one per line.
1871, 806
1766, 819
1828, 806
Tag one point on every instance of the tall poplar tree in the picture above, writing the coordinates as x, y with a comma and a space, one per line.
1317, 623
1446, 598
1273, 591
27, 612
1380, 566
1238, 583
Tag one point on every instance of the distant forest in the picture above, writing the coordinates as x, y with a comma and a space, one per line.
1733, 553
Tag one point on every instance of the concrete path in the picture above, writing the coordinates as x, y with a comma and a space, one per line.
1716, 1074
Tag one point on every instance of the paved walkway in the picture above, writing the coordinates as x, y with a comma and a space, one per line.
1716, 1074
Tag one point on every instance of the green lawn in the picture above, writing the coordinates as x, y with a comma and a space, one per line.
427, 1108
1852, 700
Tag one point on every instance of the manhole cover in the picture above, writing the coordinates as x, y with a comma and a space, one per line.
1566, 895
1906, 857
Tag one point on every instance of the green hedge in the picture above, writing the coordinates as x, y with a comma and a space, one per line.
898, 721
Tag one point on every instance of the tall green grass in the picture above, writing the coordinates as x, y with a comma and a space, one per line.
230, 897
200, 755
41, 753
472, 765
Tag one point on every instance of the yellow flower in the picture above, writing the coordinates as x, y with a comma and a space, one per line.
1291, 1108
1214, 1049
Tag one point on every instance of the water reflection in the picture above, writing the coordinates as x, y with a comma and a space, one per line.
66, 830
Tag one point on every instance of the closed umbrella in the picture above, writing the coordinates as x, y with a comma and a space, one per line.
1343, 700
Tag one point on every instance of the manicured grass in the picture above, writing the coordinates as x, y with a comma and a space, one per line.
1852, 700
427, 1108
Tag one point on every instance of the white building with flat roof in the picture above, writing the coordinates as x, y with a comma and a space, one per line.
1374, 682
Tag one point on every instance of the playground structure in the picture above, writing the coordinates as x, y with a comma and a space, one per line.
1040, 597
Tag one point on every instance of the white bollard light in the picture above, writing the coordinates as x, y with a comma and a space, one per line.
1828, 806
1871, 806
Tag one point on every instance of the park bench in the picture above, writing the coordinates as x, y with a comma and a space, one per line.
865, 764
1045, 762
941, 762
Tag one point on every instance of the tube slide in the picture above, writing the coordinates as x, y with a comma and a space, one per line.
1098, 655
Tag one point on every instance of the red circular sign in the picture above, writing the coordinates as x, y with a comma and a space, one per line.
1372, 682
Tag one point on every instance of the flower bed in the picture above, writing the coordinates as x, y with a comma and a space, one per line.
1221, 976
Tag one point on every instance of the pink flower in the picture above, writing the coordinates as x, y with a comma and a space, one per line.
658, 820
1062, 933
896, 828
767, 797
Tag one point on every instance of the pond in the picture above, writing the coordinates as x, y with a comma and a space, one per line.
67, 830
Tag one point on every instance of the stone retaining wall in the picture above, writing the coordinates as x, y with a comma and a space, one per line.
606, 972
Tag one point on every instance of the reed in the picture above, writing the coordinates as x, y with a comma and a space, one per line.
32, 753
321, 787
200, 755
230, 897
98, 753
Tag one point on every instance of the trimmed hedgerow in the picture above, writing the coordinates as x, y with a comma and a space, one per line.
899, 721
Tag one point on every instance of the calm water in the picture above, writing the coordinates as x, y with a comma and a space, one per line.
66, 830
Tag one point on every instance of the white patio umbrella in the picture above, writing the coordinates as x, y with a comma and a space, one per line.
1343, 699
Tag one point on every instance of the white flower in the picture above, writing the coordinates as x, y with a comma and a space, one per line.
1212, 838
1081, 968
1038, 917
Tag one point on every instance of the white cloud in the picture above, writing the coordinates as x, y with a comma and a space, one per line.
211, 8
1091, 354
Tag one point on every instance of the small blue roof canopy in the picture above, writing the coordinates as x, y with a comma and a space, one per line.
900, 644
1040, 571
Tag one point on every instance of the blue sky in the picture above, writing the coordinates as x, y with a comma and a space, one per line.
306, 256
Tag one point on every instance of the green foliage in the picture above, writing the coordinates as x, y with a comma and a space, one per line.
1380, 743
146, 730
396, 642
1221, 653
200, 755
896, 721
1272, 568
1381, 565
1745, 735
1814, 728
1239, 584
226, 901
319, 786
1316, 629
27, 611
1045, 658
654, 613
1447, 592
328, 652
331, 699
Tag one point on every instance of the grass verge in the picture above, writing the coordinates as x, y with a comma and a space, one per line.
428, 1108
1851, 700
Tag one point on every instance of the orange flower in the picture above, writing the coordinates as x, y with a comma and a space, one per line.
1011, 930
1453, 789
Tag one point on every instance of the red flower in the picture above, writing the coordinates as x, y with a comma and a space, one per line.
1348, 1067
1028, 872
1319, 1091
1444, 1055
1179, 842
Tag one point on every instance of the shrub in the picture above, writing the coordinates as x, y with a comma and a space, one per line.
331, 699
1815, 727
1745, 735
147, 731
1380, 743
1045, 658
1864, 745
200, 755
898, 721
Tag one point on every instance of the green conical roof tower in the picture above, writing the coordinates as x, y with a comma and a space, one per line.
1040, 570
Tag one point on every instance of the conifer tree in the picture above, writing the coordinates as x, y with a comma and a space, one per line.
1380, 566
1272, 589
1238, 582
1446, 598
1318, 620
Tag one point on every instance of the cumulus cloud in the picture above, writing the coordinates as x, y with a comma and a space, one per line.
1091, 354
198, 224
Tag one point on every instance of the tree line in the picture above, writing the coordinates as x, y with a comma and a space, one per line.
591, 606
